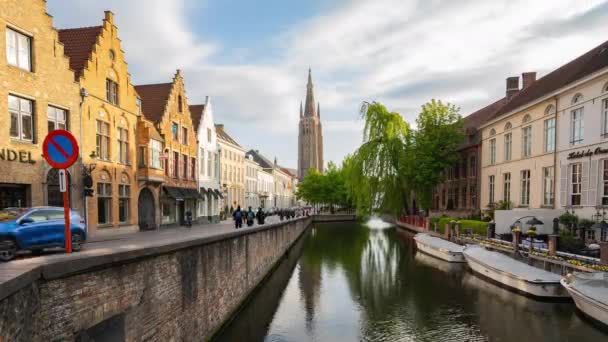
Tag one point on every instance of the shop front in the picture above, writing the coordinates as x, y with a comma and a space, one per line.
177, 203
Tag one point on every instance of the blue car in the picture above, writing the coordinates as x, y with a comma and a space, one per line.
37, 228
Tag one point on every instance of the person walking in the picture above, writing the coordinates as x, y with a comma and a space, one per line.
250, 217
260, 216
238, 218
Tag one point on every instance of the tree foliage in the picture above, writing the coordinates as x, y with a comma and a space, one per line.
328, 188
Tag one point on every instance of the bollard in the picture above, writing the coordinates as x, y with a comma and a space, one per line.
516, 240
457, 230
604, 253
553, 244
491, 231
446, 232
427, 224
556, 226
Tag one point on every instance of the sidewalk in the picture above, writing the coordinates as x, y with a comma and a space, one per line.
18, 273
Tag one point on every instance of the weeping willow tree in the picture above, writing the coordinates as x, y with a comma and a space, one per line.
374, 172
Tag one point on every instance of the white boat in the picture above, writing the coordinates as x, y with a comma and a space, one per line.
514, 274
439, 248
447, 267
590, 293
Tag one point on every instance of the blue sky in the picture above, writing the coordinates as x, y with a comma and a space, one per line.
252, 57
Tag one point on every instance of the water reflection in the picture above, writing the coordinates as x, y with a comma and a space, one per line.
353, 283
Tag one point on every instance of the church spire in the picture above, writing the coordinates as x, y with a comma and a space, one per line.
309, 107
301, 110
318, 109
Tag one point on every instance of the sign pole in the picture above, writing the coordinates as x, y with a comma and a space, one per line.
66, 214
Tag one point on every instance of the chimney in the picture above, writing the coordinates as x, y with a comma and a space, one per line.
512, 86
220, 127
527, 78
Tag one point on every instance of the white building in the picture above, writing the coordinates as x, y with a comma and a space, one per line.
208, 158
265, 188
251, 182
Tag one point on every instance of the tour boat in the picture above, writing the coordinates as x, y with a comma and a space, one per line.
590, 293
514, 274
439, 248
438, 264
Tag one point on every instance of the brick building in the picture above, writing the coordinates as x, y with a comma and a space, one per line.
37, 94
166, 105
110, 109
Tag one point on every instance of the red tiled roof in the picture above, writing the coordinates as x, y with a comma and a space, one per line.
583, 66
196, 112
154, 99
223, 135
78, 44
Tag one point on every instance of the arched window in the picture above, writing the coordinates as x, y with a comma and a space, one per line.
179, 104
104, 198
508, 126
577, 98
605, 89
492, 132
527, 118
550, 110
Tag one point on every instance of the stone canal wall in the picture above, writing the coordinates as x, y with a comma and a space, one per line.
183, 292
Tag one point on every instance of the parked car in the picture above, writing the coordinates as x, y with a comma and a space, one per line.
37, 228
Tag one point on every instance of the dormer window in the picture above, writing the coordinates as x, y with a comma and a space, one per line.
577, 98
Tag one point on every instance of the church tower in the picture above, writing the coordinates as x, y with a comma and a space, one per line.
310, 137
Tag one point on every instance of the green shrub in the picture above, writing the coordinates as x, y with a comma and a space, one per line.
478, 227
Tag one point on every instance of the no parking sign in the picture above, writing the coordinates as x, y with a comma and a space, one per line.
60, 150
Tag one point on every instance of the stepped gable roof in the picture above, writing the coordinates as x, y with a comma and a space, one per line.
264, 162
585, 65
223, 135
154, 99
78, 45
196, 112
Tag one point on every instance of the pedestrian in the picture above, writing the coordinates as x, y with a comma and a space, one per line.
250, 217
188, 218
281, 214
238, 218
260, 215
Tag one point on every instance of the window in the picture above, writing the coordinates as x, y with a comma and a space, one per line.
604, 235
208, 134
506, 196
209, 164
202, 161
18, 49
548, 178
508, 146
591, 234
526, 119
605, 117
104, 202
576, 183
123, 145
577, 98
473, 168
456, 197
605, 182
549, 132
175, 164
22, 123
576, 126
508, 126
111, 55
124, 193
525, 188
492, 132
103, 140
464, 197
57, 118
550, 110
175, 131
526, 134
184, 136
493, 151
491, 188
138, 103
184, 166
112, 91
473, 192
156, 151
180, 105
193, 168
141, 156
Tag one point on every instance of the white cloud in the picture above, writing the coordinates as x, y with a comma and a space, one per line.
398, 52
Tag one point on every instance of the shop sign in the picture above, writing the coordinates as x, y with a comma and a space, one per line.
587, 153
6, 154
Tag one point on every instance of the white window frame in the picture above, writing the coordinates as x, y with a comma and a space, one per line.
103, 140
604, 178
14, 57
526, 141
123, 145
508, 146
492, 151
124, 198
605, 118
577, 126
549, 135
156, 153
491, 181
54, 117
576, 183
525, 188
21, 112
506, 196
548, 190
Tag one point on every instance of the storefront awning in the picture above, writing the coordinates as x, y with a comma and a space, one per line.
191, 194
173, 192
219, 193
212, 192
182, 193
203, 191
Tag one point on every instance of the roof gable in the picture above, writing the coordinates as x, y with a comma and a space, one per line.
154, 99
197, 112
78, 45
224, 136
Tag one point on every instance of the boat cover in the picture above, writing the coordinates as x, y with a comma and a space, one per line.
592, 285
507, 264
439, 243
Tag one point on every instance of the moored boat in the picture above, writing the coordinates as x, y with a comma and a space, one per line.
439, 248
514, 274
590, 293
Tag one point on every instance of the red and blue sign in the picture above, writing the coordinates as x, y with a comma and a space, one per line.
60, 149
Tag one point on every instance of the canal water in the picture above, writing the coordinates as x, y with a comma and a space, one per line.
350, 282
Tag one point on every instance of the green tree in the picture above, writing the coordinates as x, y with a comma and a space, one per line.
435, 142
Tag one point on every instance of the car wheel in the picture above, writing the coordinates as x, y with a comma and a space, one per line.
8, 249
37, 251
77, 241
